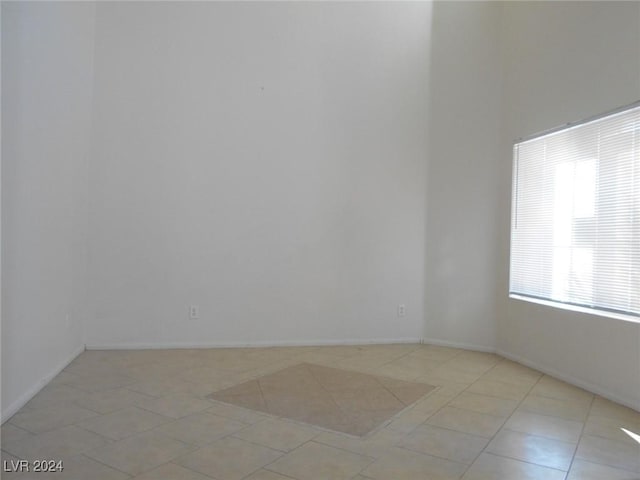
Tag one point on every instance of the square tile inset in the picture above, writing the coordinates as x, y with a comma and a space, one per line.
340, 400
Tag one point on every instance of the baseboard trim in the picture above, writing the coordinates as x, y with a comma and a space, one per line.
256, 344
464, 346
591, 387
8, 412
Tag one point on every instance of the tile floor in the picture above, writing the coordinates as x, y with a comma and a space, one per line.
148, 415
341, 400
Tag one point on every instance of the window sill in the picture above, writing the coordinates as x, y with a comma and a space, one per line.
575, 308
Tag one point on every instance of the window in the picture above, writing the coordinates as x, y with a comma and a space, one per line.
575, 227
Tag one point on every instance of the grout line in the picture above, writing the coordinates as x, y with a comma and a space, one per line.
264, 400
181, 466
584, 424
528, 462
506, 418
84, 454
328, 392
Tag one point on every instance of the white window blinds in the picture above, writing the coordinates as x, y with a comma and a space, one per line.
575, 230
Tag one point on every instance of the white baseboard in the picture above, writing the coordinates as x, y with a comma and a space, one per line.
8, 412
633, 403
464, 346
256, 344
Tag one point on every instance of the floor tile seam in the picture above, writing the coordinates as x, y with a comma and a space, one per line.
604, 438
146, 430
198, 445
131, 389
488, 439
568, 397
322, 429
462, 371
612, 417
84, 454
437, 409
617, 467
461, 358
384, 359
185, 467
422, 369
34, 410
107, 440
162, 434
503, 423
613, 440
282, 419
264, 468
253, 442
495, 396
399, 357
50, 386
483, 412
502, 361
264, 399
636, 422
19, 428
467, 466
100, 413
147, 411
528, 385
517, 367
254, 412
490, 362
53, 429
244, 425
12, 454
527, 462
371, 461
584, 424
333, 400
478, 413
405, 406
566, 472
585, 398
440, 457
128, 387
549, 415
115, 363
382, 425
521, 386
102, 390
329, 444
312, 440
543, 437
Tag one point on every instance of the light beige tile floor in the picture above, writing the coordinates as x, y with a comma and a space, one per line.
115, 415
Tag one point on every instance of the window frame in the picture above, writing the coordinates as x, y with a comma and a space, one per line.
569, 306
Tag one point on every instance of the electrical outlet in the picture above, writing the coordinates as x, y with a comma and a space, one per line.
194, 312
401, 310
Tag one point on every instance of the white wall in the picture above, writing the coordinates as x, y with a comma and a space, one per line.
268, 162
462, 193
47, 57
565, 62
263, 161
